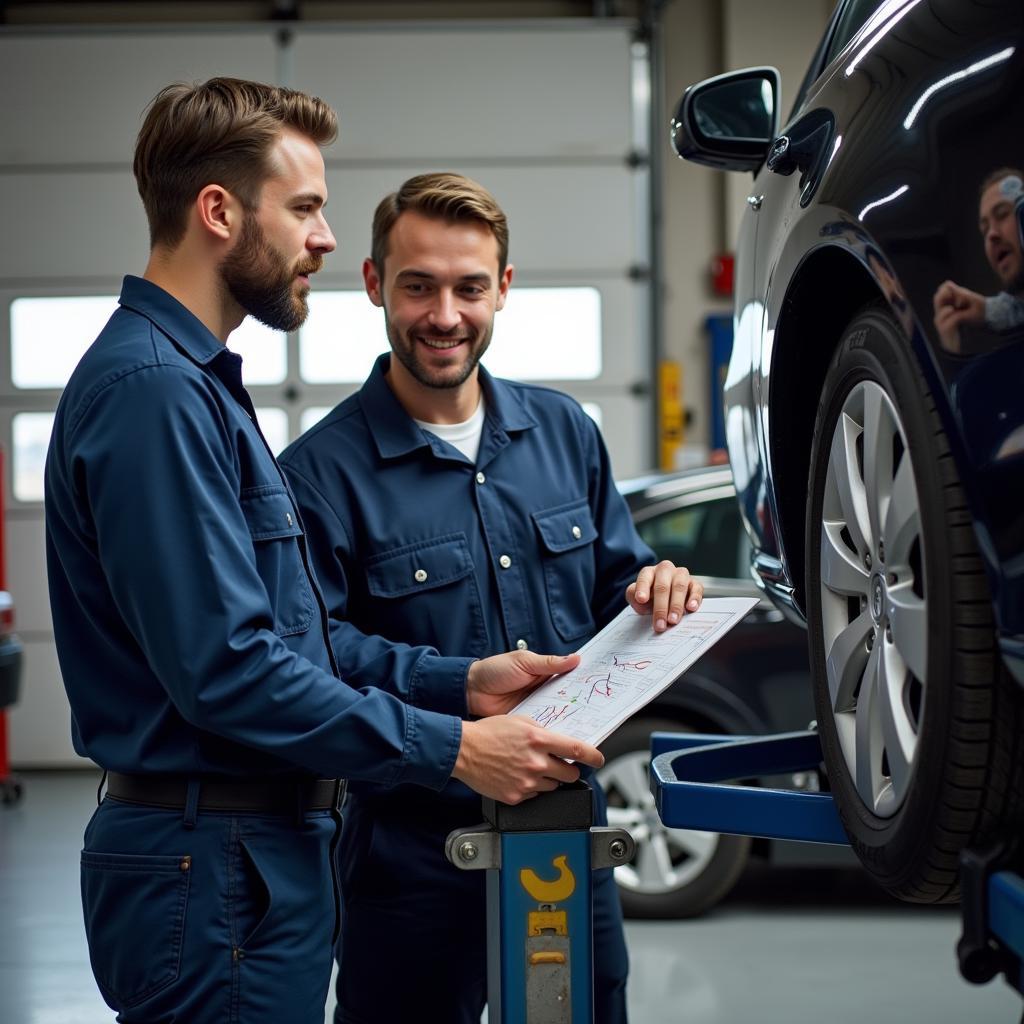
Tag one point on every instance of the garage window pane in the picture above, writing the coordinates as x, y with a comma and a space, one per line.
312, 416
541, 334
341, 338
50, 335
547, 334
31, 437
274, 424
264, 352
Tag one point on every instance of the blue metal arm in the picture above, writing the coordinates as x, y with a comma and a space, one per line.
688, 777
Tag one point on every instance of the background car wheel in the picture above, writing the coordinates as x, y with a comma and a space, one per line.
676, 872
920, 724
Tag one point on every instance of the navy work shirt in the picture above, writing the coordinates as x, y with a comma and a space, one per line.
191, 633
532, 546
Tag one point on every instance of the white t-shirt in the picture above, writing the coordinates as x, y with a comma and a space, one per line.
464, 436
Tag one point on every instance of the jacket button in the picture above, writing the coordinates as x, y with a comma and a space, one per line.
420, 575
480, 478
521, 644
504, 561
577, 532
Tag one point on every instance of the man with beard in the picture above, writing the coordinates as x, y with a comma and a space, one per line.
192, 636
445, 506
1001, 198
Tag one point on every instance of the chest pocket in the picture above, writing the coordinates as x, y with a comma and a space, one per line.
428, 594
567, 535
275, 534
416, 568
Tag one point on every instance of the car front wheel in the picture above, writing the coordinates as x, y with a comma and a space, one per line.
675, 872
919, 722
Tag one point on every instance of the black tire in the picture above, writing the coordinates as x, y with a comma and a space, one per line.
949, 742
709, 864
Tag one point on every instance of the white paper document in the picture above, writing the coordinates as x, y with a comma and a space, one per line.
626, 666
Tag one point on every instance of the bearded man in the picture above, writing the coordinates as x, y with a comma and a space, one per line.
192, 635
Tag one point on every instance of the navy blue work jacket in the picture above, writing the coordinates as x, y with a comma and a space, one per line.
532, 546
191, 633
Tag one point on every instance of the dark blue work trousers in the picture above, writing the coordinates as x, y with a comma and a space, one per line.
414, 943
230, 920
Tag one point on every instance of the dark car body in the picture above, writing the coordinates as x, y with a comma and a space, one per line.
932, 104
874, 409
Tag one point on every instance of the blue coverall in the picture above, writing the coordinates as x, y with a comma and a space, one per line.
532, 546
193, 641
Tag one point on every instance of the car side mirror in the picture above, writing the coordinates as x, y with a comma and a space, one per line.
728, 121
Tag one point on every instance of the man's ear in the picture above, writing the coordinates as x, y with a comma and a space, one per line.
503, 285
372, 281
218, 211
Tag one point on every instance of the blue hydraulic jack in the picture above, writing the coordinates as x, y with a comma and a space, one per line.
538, 856
687, 779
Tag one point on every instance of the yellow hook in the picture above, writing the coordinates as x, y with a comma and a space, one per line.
549, 892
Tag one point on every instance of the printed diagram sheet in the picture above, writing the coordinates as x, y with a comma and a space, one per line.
626, 666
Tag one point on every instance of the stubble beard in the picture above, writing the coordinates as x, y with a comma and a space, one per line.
261, 280
405, 349
1014, 284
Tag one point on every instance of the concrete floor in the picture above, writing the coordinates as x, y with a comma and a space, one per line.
800, 946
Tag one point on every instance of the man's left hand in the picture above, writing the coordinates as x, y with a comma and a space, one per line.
497, 684
665, 592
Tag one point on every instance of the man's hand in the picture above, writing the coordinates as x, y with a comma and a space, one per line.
954, 305
673, 589
511, 758
497, 684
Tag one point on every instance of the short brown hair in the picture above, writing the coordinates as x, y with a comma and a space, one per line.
218, 132
447, 196
998, 175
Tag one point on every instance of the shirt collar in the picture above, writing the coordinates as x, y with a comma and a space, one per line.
395, 432
184, 328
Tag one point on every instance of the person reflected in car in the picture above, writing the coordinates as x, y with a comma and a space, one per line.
999, 221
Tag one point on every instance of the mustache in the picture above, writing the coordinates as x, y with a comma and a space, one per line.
311, 266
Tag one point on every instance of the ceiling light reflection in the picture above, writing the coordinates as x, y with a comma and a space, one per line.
883, 31
981, 65
885, 199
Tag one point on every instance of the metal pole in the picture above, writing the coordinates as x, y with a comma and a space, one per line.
539, 856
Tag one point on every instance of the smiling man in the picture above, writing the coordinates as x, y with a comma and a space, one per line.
192, 636
445, 506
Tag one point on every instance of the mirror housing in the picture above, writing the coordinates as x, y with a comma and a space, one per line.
729, 121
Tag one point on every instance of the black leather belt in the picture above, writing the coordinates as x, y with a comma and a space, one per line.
218, 793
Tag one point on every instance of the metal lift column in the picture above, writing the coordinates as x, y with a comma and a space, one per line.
539, 855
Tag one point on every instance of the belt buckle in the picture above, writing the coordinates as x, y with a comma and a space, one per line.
340, 786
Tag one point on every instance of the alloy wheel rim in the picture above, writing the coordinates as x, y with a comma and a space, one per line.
666, 859
873, 598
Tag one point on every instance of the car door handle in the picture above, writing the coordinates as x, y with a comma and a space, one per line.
805, 148
781, 158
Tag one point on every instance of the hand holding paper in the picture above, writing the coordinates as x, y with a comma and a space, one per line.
625, 667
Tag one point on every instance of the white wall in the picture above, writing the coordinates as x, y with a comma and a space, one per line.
702, 207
